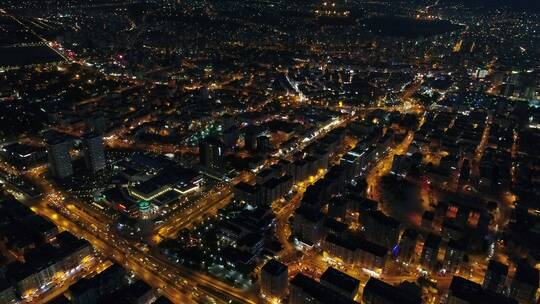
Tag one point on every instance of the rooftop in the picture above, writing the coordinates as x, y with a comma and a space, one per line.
391, 294
274, 267
340, 280
318, 291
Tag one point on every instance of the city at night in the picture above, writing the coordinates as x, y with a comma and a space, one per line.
270, 151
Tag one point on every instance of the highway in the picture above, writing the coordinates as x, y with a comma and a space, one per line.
174, 281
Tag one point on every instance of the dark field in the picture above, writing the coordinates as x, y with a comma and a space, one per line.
11, 33
27, 55
408, 27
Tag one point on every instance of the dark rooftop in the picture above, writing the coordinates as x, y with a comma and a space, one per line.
527, 274
472, 292
391, 294
318, 291
433, 241
340, 280
497, 267
274, 267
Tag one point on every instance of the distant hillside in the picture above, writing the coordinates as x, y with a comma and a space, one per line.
527, 5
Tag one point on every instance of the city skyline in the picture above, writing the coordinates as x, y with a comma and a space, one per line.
229, 151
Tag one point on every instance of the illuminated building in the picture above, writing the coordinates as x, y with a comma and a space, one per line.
401, 165
337, 207
274, 280
137, 292
250, 194
276, 188
145, 209
430, 251
407, 245
427, 219
265, 175
59, 158
46, 263
455, 252
360, 158
211, 152
333, 226
356, 251
263, 194
300, 170
230, 138
94, 152
24, 155
180, 180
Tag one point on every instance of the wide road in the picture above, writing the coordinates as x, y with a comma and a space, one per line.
175, 282
153, 268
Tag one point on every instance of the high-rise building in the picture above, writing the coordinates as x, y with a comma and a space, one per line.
227, 122
94, 152
428, 258
525, 283
455, 252
230, 138
211, 153
407, 245
59, 158
263, 143
96, 124
495, 278
274, 280
250, 137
